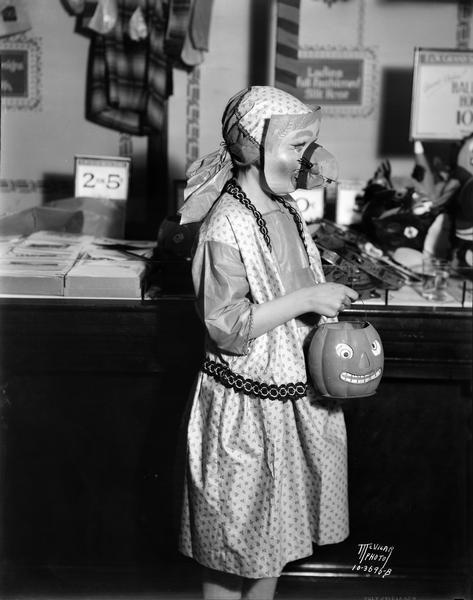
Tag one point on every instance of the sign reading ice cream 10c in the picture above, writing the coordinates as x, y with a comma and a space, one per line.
337, 81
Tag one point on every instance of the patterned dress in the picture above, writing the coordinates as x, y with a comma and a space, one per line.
265, 478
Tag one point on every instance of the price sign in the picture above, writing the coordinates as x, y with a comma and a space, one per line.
102, 177
442, 96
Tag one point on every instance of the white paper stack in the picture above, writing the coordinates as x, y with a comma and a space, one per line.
37, 264
51, 244
73, 265
109, 269
33, 276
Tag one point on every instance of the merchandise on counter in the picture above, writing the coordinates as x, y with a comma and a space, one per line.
463, 235
432, 212
62, 264
37, 264
33, 275
100, 216
40, 218
105, 278
348, 257
110, 268
59, 245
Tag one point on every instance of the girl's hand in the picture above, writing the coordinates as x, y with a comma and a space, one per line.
328, 299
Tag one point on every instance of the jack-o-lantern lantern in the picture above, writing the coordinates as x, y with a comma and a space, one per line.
346, 359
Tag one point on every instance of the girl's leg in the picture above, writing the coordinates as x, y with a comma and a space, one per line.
260, 589
217, 585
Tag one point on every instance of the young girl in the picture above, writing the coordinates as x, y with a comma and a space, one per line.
266, 461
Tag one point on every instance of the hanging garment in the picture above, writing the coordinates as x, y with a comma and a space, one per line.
196, 42
177, 27
199, 28
105, 17
129, 81
14, 17
75, 6
187, 33
137, 28
190, 56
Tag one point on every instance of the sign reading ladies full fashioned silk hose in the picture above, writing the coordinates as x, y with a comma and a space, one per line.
330, 80
442, 97
339, 79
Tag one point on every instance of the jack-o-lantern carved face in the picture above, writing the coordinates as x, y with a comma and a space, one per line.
346, 359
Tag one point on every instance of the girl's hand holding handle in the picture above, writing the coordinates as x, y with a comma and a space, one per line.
328, 299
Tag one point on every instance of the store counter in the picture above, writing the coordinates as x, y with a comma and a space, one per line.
93, 392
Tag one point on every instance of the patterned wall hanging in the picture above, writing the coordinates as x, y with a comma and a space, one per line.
192, 116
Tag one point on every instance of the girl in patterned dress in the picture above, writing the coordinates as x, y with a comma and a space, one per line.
265, 473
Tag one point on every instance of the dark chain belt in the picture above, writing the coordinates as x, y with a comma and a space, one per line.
225, 376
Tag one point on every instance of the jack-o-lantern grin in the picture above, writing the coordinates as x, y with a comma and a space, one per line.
346, 359
351, 378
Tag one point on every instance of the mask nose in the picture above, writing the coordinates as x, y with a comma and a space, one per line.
318, 168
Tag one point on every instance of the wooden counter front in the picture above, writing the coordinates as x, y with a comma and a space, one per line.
93, 392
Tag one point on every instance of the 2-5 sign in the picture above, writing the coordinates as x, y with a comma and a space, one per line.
102, 177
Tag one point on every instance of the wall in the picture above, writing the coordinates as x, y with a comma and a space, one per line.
40, 144
390, 28
225, 70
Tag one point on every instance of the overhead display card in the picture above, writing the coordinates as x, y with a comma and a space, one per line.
102, 177
442, 95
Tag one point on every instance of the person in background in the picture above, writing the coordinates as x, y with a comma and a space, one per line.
265, 473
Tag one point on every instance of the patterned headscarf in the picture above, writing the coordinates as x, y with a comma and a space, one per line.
244, 123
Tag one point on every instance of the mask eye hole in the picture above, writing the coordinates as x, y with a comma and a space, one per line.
344, 351
376, 347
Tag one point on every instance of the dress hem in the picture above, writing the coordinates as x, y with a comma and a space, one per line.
243, 573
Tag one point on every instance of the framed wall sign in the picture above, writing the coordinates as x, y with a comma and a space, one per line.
20, 62
101, 177
442, 95
342, 80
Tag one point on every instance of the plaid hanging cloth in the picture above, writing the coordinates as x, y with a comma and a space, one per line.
129, 80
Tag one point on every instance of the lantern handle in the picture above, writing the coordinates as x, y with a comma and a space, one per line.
364, 306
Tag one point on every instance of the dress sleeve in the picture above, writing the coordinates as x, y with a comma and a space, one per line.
222, 291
